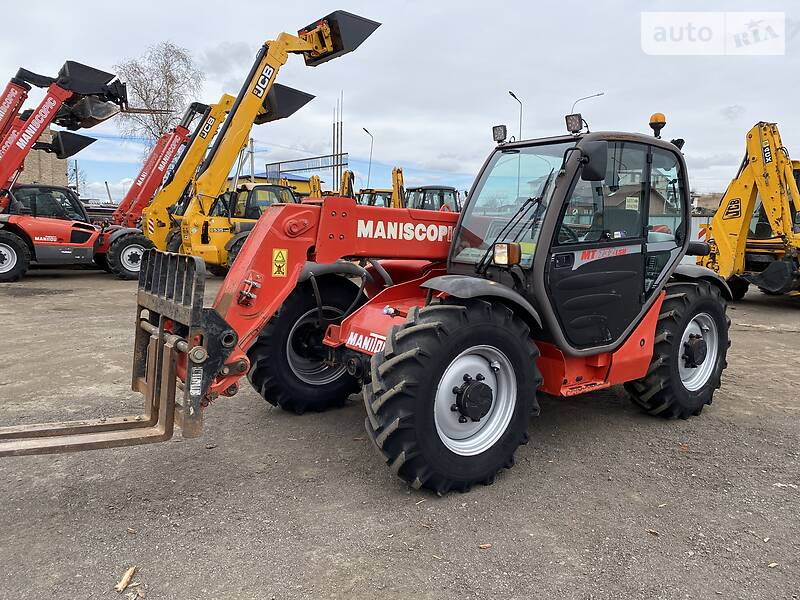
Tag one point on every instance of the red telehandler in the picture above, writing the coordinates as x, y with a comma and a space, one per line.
44, 223
561, 275
126, 241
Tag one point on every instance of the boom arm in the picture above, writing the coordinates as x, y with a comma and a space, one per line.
155, 216
330, 37
398, 189
155, 168
766, 173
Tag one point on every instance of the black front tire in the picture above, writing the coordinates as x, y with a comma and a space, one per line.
126, 253
406, 376
662, 392
290, 383
13, 249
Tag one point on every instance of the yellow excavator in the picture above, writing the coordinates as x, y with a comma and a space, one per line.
389, 198
754, 237
260, 100
345, 187
164, 212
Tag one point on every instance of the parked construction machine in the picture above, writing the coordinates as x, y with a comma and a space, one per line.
433, 197
260, 100
390, 198
754, 236
561, 275
149, 211
52, 227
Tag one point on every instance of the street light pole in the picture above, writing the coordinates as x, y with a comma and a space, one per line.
371, 142
514, 96
572, 110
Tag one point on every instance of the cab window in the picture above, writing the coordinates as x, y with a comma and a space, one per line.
610, 210
45, 202
665, 221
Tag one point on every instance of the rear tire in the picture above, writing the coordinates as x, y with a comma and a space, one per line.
126, 253
738, 287
673, 387
287, 360
174, 242
217, 270
426, 440
101, 261
15, 257
234, 251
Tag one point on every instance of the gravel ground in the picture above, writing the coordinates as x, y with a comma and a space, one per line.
604, 502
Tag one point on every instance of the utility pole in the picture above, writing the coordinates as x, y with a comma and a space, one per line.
371, 142
252, 160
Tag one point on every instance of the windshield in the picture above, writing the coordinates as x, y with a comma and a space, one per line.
511, 178
376, 198
47, 202
432, 199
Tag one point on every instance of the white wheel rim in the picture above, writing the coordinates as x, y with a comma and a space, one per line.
8, 258
470, 438
131, 257
694, 378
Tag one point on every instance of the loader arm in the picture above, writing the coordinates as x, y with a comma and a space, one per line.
398, 189
155, 216
155, 169
766, 174
260, 100
11, 101
79, 97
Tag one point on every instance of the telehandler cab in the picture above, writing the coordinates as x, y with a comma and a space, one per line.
552, 279
755, 234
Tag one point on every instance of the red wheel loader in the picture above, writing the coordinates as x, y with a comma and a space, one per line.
47, 224
561, 275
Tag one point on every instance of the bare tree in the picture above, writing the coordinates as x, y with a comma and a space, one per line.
76, 177
164, 78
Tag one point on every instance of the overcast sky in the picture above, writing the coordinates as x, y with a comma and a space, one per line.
434, 78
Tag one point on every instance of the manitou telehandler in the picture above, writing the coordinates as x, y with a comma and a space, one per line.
45, 224
561, 275
201, 234
755, 234
144, 219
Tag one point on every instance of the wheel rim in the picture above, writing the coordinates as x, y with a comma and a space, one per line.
695, 377
473, 437
8, 258
131, 257
305, 351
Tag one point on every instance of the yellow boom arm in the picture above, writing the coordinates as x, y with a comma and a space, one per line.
155, 217
766, 174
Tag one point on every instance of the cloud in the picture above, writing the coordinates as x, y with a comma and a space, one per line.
430, 99
97, 189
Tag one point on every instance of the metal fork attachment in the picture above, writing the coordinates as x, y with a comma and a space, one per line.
179, 346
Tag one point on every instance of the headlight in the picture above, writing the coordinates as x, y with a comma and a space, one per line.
507, 254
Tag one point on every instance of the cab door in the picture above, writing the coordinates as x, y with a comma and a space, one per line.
595, 275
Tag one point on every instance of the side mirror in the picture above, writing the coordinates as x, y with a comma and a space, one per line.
698, 248
594, 156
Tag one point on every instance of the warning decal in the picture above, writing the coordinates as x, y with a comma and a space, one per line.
279, 256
